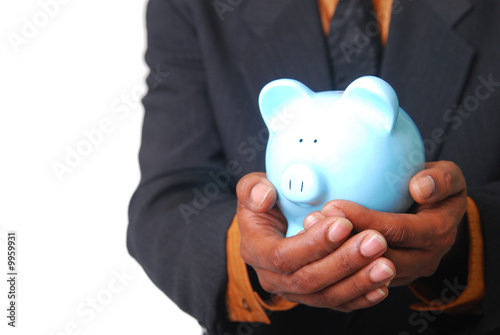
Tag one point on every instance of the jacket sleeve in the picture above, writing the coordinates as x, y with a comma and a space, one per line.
185, 202
487, 199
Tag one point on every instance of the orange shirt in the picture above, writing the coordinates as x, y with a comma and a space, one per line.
382, 9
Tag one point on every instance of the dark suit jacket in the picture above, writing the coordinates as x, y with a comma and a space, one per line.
209, 60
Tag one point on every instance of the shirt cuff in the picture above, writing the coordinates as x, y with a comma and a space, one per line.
470, 300
242, 302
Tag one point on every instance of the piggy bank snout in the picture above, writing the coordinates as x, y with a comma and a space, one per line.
302, 184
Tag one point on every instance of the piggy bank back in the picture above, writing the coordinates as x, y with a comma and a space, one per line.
356, 145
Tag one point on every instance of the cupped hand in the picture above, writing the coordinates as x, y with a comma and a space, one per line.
322, 266
418, 240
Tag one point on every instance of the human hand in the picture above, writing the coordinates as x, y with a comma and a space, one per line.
418, 240
320, 267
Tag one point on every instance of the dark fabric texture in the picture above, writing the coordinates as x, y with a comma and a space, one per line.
203, 131
354, 42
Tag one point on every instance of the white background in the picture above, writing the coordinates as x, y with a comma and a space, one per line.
64, 70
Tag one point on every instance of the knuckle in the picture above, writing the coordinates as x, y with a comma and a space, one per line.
322, 299
245, 185
428, 244
358, 288
451, 166
394, 233
447, 180
429, 269
268, 286
448, 241
397, 234
451, 175
432, 240
346, 262
246, 255
279, 262
241, 186
444, 238
305, 282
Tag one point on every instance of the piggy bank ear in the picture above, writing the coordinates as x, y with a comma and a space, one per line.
375, 99
276, 96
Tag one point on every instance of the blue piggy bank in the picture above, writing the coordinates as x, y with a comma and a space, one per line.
356, 145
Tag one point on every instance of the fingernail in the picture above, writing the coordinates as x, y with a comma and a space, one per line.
425, 186
339, 230
375, 295
380, 273
372, 245
259, 193
312, 219
332, 210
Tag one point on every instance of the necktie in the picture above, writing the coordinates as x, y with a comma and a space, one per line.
354, 42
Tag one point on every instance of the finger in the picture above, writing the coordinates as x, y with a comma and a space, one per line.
403, 230
312, 219
368, 300
401, 281
414, 263
265, 249
256, 192
355, 291
399, 229
353, 255
328, 210
437, 182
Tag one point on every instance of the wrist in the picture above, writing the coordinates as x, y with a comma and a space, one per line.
447, 290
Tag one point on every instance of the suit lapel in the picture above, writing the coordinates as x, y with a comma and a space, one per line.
427, 63
451, 11
425, 60
261, 15
290, 41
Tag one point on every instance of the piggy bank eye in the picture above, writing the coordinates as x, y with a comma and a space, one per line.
315, 141
300, 140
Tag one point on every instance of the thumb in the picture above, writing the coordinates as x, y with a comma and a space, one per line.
438, 181
256, 192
